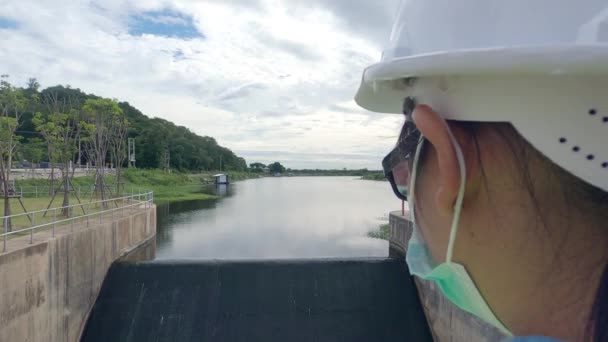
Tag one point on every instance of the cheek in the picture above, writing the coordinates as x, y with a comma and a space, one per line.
435, 228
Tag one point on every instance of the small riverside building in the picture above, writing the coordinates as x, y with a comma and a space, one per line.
221, 179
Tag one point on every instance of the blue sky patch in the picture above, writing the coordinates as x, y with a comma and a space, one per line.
165, 23
7, 23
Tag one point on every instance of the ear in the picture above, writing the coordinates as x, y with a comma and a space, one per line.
435, 130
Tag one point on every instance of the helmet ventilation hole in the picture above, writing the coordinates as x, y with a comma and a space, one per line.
589, 157
605, 119
592, 111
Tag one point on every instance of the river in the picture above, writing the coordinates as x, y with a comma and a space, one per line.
280, 217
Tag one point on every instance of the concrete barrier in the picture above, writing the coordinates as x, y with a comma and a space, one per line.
447, 322
48, 288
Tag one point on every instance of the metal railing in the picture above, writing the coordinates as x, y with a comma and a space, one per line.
37, 191
89, 212
45, 190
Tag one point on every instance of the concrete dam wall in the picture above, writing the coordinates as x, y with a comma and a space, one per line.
47, 288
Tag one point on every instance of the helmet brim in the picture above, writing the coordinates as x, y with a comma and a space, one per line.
383, 84
564, 116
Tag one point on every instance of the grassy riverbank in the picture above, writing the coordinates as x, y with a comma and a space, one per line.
383, 232
363, 173
167, 187
375, 176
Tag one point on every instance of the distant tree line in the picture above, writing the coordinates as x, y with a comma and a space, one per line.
334, 172
276, 167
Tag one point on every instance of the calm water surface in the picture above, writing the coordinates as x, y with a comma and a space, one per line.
299, 217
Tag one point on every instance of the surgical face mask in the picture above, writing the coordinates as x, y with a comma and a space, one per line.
452, 278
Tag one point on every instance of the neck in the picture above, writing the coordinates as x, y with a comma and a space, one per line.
566, 289
543, 278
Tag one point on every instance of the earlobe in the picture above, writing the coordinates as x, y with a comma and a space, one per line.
435, 130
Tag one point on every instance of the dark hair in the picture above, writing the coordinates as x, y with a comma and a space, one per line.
579, 193
598, 324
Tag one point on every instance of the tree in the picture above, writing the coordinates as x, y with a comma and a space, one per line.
32, 86
276, 167
12, 105
59, 128
34, 151
57, 121
118, 141
98, 126
257, 167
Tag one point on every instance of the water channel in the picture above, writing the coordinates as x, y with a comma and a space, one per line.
279, 217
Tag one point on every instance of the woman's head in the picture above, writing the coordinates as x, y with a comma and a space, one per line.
520, 88
531, 235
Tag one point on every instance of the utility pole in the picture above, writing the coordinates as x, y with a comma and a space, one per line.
79, 152
167, 160
131, 152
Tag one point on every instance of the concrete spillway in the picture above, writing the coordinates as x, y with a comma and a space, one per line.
290, 300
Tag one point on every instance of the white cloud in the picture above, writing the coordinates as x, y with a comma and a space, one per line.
268, 76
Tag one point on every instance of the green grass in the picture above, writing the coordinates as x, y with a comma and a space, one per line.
41, 203
239, 176
33, 204
383, 232
376, 176
167, 187
173, 194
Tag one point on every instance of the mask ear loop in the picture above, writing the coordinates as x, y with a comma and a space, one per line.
459, 198
411, 194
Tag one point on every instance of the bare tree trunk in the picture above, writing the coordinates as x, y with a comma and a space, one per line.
7, 212
6, 194
65, 212
118, 176
52, 189
99, 180
79, 152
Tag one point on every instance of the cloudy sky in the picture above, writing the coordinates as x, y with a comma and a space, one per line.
271, 79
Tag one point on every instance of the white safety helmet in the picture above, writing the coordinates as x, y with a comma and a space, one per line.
541, 65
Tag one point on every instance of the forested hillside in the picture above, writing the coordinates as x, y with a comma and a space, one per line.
155, 139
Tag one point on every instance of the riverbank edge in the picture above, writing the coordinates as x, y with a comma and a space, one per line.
167, 187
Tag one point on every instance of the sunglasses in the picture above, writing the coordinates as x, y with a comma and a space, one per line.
397, 165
